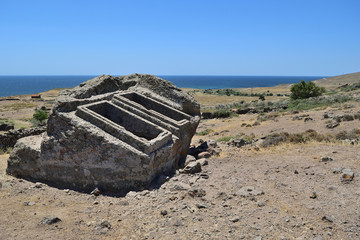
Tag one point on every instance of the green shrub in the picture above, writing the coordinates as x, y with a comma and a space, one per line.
40, 115
304, 90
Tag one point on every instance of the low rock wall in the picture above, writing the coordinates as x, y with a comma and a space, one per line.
9, 138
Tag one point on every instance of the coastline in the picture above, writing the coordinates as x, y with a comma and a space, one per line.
25, 85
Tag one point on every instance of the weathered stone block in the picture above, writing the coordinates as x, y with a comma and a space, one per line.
115, 133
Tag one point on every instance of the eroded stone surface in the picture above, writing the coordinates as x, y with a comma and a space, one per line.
114, 133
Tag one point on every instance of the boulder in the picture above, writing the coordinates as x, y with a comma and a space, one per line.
8, 139
206, 115
114, 133
6, 126
204, 155
192, 167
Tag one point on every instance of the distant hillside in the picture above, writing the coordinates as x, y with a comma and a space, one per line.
339, 80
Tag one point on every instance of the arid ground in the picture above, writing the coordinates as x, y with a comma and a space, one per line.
292, 190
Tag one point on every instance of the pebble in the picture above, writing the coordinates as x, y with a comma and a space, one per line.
95, 192
200, 205
347, 175
38, 185
49, 220
313, 195
326, 159
249, 191
28, 203
326, 219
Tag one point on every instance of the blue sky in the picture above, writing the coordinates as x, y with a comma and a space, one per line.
180, 37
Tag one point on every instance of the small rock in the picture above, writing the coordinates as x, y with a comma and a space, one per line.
214, 151
28, 203
261, 204
49, 220
104, 224
256, 124
347, 175
326, 159
189, 159
38, 185
193, 167
313, 195
163, 212
203, 161
198, 192
179, 186
307, 119
338, 170
172, 198
200, 205
204, 176
235, 219
332, 125
96, 192
326, 219
296, 172
212, 143
204, 155
249, 191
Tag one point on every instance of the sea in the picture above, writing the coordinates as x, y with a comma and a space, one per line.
19, 85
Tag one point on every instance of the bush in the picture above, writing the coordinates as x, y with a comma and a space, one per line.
304, 90
40, 115
221, 114
295, 138
225, 139
306, 104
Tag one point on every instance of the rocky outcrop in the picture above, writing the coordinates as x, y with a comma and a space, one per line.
114, 133
8, 139
6, 126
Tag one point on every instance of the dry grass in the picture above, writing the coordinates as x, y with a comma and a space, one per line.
308, 136
18, 106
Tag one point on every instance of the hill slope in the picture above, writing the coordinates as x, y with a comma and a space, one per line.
339, 80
